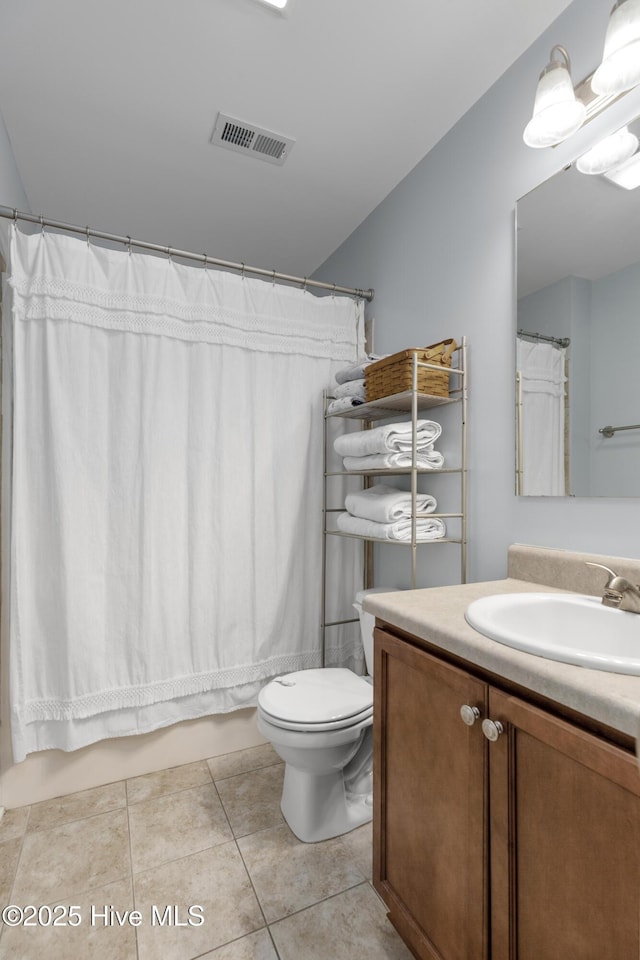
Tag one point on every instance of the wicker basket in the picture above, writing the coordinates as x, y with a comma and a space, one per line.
394, 374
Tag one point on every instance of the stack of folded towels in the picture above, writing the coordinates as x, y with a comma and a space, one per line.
384, 512
350, 391
390, 446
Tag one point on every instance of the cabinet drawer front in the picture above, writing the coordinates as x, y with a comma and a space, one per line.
565, 840
430, 801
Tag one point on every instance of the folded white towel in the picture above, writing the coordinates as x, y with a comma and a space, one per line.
356, 370
385, 504
426, 529
427, 459
352, 388
344, 403
389, 438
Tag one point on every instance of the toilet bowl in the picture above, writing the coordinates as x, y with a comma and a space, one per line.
320, 722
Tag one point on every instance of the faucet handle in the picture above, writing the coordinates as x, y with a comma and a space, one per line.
616, 588
602, 567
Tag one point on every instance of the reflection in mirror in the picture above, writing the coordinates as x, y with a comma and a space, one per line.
578, 322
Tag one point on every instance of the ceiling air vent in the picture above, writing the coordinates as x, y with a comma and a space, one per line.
253, 141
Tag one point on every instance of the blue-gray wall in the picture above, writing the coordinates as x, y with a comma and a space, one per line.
439, 251
11, 190
615, 351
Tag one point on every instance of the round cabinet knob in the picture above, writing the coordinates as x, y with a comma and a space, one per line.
469, 714
492, 729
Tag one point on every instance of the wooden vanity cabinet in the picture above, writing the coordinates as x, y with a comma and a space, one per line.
524, 848
430, 802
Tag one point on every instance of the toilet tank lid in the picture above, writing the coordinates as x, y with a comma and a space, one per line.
317, 696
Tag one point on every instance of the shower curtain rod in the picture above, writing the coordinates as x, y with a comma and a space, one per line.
561, 341
10, 213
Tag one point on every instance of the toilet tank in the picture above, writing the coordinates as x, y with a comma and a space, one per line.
367, 623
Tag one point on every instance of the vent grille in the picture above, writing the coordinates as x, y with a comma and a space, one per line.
239, 136
233, 134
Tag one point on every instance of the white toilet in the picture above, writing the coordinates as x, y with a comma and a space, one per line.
320, 722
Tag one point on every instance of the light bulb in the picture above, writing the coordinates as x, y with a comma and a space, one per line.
610, 152
556, 112
627, 174
620, 67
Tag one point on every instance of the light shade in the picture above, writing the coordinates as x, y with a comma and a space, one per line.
620, 67
610, 152
556, 112
278, 4
626, 175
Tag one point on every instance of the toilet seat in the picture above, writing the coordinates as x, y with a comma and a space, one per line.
317, 727
328, 698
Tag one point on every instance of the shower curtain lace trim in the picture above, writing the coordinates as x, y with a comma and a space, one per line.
118, 699
49, 298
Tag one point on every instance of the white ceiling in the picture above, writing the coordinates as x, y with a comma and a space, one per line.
110, 108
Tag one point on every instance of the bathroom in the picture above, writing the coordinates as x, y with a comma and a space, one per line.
439, 252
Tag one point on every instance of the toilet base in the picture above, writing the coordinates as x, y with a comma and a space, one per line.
317, 807
328, 777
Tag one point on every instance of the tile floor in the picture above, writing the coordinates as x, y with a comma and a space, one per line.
207, 834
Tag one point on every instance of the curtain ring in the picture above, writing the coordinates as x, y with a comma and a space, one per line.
273, 279
42, 225
242, 273
205, 260
169, 255
129, 244
304, 285
333, 292
15, 218
86, 230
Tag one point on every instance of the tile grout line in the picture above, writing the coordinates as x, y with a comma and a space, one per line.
80, 819
168, 793
17, 867
331, 896
235, 840
230, 776
132, 884
255, 892
275, 949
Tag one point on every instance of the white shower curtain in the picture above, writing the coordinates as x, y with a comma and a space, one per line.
541, 367
167, 487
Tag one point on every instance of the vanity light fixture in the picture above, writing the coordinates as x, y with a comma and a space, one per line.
559, 109
556, 111
620, 67
627, 174
277, 4
610, 152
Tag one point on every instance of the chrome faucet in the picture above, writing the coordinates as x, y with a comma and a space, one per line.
618, 591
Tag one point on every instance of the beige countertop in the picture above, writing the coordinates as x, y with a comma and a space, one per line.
436, 614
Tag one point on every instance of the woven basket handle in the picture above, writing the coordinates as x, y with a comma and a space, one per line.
445, 349
450, 347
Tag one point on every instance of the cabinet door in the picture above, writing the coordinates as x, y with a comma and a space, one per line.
565, 832
429, 802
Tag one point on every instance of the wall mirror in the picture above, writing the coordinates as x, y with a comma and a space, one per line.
578, 339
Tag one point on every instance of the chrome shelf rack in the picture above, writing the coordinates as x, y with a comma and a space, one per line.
415, 403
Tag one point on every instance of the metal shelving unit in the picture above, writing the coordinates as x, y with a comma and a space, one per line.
415, 403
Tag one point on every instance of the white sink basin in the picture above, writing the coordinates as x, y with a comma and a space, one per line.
569, 627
